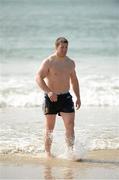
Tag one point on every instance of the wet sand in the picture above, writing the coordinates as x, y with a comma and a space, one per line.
98, 164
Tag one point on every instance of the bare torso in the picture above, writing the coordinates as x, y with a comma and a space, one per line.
59, 71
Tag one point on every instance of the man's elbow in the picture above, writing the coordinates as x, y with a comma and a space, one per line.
37, 77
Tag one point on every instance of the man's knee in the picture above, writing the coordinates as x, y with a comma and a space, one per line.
70, 124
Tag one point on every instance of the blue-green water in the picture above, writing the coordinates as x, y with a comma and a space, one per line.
30, 27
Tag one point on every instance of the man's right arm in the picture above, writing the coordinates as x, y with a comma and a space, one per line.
41, 74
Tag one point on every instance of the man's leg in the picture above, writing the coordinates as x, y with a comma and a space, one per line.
49, 126
68, 119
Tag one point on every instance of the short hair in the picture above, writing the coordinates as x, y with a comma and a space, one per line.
60, 40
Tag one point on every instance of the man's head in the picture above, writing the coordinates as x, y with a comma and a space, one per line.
61, 45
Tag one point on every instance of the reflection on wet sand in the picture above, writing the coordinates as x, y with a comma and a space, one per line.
50, 173
101, 164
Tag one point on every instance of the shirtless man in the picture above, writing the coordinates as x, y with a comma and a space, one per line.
54, 77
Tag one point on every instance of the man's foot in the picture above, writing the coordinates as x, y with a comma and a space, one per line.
70, 155
49, 155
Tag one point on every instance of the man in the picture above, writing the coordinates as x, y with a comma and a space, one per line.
54, 77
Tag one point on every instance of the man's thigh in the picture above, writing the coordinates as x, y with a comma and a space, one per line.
50, 121
68, 119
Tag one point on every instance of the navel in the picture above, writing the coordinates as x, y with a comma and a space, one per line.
55, 74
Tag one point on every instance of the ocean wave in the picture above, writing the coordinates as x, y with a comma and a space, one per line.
20, 141
100, 91
34, 144
95, 91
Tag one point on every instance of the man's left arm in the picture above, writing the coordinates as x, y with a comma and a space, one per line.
76, 89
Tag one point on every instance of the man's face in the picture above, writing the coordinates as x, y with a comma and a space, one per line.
62, 49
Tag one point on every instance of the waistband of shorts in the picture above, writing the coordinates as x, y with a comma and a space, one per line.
64, 93
59, 94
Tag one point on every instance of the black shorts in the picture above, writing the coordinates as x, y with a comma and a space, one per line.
64, 103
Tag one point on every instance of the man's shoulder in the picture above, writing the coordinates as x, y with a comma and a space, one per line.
71, 61
48, 59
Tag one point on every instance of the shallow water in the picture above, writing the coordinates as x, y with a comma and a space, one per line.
22, 130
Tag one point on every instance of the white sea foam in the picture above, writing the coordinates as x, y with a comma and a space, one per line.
14, 141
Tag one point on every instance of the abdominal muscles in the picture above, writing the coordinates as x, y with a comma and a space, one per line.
58, 83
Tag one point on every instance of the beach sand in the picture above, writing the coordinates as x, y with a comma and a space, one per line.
98, 164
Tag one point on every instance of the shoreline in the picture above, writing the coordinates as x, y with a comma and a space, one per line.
107, 156
98, 164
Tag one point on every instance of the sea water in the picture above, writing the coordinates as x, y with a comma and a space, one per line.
28, 29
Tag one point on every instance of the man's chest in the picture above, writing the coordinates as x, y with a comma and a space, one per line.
60, 68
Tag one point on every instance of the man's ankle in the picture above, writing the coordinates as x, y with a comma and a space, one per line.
49, 155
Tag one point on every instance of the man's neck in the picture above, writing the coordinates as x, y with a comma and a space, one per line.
60, 57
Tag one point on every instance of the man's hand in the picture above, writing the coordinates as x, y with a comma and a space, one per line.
52, 96
78, 103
